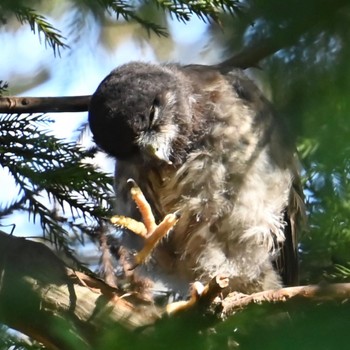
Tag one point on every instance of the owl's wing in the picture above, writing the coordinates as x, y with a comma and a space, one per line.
282, 151
295, 217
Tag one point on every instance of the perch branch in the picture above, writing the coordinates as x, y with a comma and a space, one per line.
44, 299
314, 293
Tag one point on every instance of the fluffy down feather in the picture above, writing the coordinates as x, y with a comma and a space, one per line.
208, 144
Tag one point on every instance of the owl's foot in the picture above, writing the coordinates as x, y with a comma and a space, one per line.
148, 230
200, 295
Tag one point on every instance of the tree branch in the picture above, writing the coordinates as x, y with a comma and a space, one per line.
313, 293
286, 36
46, 300
13, 105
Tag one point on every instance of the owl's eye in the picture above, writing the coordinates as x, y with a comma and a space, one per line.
153, 112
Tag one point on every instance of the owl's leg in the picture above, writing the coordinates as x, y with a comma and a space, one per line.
149, 230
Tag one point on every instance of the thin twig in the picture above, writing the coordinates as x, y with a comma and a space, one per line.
13, 105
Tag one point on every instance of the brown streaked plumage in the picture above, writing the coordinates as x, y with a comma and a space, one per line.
207, 144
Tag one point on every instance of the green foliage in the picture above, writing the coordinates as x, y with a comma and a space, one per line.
127, 10
51, 177
38, 23
303, 326
3, 87
310, 83
15, 341
205, 10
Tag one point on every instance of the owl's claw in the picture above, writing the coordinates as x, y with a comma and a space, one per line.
131, 182
177, 214
200, 295
134, 264
149, 230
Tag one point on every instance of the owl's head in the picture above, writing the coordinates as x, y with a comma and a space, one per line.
142, 110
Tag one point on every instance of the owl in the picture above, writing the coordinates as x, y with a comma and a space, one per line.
204, 141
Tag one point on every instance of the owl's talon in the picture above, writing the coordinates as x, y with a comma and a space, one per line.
133, 267
131, 182
177, 214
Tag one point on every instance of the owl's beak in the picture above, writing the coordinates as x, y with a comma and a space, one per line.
159, 152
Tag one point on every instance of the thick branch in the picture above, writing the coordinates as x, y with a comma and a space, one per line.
46, 300
252, 55
286, 36
43, 298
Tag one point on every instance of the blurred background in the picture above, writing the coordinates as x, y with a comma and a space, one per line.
300, 55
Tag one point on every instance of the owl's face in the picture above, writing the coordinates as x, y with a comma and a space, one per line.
140, 110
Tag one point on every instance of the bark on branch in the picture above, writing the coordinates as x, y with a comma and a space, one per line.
46, 300
313, 293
